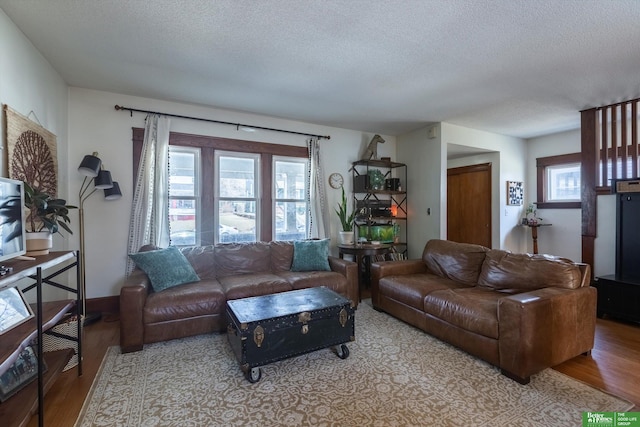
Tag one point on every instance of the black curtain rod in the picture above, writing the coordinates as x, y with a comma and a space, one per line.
237, 125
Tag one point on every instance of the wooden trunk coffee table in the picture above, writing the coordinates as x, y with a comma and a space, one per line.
269, 328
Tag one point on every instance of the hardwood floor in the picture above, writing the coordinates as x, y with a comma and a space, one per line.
613, 366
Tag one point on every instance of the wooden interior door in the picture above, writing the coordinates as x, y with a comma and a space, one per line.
469, 204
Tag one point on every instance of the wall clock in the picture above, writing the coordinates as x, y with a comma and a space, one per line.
336, 180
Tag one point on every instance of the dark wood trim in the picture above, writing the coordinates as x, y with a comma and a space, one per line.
559, 159
588, 136
207, 200
541, 188
559, 205
481, 167
208, 145
104, 305
634, 138
266, 215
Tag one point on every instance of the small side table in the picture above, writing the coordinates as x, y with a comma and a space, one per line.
362, 253
534, 234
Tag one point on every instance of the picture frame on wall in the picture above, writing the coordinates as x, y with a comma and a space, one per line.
20, 374
515, 193
14, 310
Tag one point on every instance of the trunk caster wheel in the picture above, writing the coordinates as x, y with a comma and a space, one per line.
342, 351
253, 375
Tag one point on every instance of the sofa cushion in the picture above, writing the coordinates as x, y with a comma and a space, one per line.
202, 260
165, 267
473, 309
310, 255
281, 255
505, 270
308, 279
410, 289
203, 298
461, 262
242, 258
249, 285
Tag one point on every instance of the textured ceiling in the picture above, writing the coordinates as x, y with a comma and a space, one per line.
516, 67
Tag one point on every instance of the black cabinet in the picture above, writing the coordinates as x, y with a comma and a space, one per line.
628, 237
618, 298
619, 294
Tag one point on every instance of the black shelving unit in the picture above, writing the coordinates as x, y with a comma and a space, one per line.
18, 409
382, 203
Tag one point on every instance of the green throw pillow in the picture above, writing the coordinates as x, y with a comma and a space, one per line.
310, 255
165, 267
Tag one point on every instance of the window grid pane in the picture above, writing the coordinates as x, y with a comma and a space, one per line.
184, 196
563, 182
290, 207
237, 205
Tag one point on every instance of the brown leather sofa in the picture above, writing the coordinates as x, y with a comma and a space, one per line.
227, 271
520, 312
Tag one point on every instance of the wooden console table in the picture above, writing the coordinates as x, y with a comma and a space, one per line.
534, 234
363, 253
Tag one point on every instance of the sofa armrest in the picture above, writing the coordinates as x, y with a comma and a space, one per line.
349, 270
133, 296
396, 268
382, 269
545, 327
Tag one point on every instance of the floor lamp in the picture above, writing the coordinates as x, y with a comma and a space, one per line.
91, 168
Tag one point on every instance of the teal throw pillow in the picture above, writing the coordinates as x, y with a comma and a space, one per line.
165, 267
310, 255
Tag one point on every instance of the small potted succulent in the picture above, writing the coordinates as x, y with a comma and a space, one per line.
346, 220
46, 217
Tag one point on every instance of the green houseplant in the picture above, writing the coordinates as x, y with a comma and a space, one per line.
346, 220
46, 217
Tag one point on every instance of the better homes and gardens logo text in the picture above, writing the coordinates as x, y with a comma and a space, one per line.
611, 419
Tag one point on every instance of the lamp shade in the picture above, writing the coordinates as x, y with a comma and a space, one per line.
90, 165
103, 180
113, 193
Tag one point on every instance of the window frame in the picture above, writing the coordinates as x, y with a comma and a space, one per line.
541, 170
256, 190
208, 145
197, 196
274, 197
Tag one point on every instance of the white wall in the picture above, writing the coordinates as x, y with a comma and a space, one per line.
426, 160
423, 157
564, 237
96, 126
507, 234
29, 83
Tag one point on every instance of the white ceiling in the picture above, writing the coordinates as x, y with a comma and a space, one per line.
516, 67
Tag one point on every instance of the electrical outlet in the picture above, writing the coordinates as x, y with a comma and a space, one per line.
506, 212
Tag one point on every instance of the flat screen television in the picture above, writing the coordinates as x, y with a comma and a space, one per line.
12, 219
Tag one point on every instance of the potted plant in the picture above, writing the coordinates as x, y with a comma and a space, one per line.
46, 217
346, 220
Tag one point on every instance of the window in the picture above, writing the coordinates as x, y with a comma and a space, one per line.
559, 181
290, 206
237, 184
228, 190
184, 195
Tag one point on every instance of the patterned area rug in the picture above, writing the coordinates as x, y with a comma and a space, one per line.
396, 375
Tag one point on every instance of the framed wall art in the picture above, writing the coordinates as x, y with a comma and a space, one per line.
20, 374
31, 152
515, 193
14, 310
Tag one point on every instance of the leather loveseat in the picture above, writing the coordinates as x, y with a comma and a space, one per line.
226, 271
520, 312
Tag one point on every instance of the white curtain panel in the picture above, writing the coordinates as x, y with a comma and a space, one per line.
149, 222
319, 225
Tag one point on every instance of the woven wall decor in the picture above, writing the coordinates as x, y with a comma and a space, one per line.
31, 152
